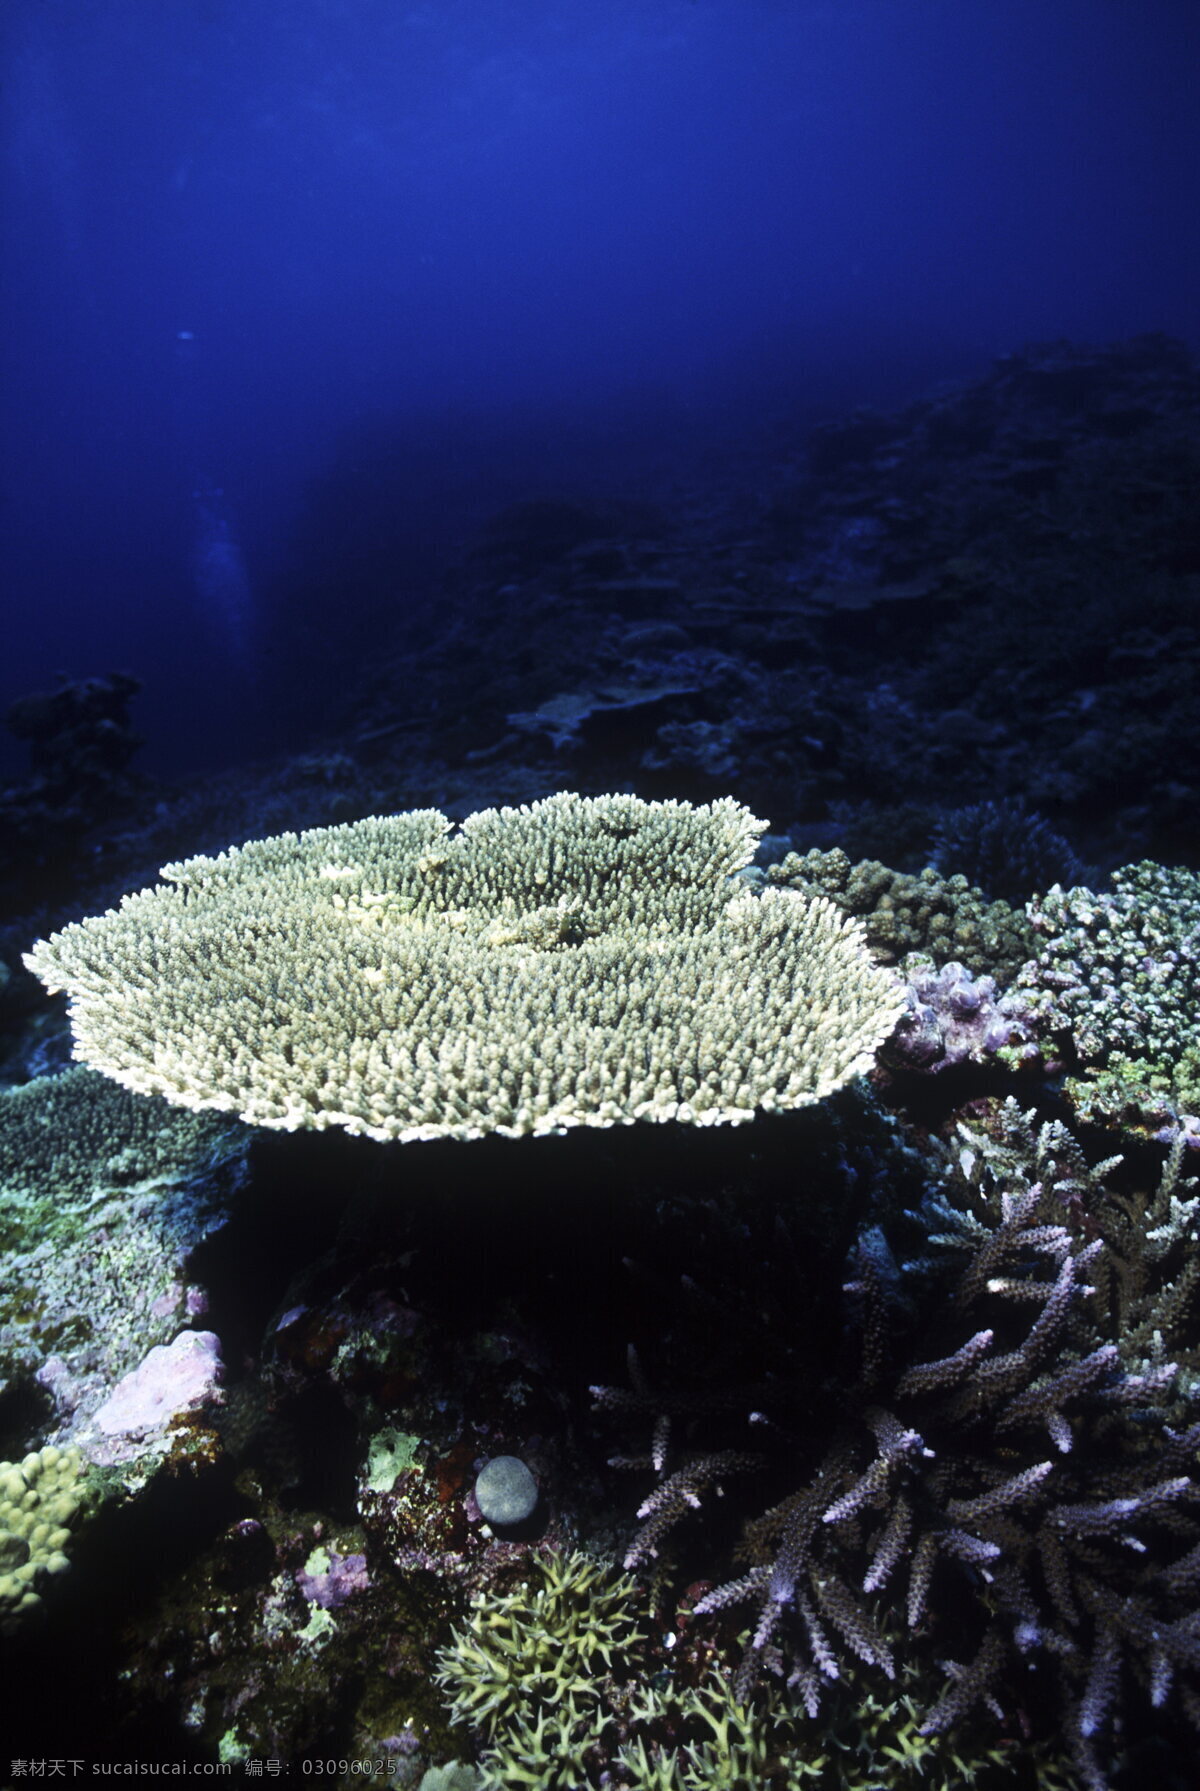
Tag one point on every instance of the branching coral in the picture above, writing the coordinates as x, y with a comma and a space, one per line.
566, 1686
1015, 1455
940, 916
1005, 850
1147, 1274
531, 1667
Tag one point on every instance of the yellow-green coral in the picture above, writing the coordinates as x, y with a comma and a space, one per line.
943, 917
577, 962
548, 1643
561, 1681
39, 1496
867, 1738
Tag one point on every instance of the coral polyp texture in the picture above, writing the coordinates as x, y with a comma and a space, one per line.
574, 962
38, 1499
942, 917
1120, 972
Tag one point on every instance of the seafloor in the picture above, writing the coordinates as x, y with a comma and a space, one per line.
861, 1438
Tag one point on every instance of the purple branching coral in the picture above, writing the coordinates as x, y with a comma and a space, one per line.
1019, 1454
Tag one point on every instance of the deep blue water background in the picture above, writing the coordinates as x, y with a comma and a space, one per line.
391, 265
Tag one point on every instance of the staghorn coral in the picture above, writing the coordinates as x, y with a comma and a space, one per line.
1148, 1278
1011, 1452
531, 1667
722, 1742
576, 962
940, 916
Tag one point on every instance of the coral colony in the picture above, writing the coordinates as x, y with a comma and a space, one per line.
1017, 1451
1012, 1456
585, 1292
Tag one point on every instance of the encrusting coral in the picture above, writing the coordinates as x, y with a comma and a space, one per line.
66, 1140
575, 962
104, 1196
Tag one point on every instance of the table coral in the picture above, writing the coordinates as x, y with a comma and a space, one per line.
579, 962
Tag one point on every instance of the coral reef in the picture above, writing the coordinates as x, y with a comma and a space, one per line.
1015, 1453
574, 963
893, 625
563, 1679
860, 1334
573, 718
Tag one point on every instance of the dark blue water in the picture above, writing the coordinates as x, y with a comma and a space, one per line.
388, 265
